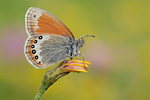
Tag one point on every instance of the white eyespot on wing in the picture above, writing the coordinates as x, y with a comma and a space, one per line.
38, 45
32, 50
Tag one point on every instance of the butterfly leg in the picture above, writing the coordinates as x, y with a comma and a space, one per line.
83, 59
63, 63
78, 56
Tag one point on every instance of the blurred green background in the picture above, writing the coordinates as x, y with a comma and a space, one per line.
120, 53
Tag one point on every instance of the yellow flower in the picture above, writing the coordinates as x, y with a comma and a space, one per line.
64, 68
76, 66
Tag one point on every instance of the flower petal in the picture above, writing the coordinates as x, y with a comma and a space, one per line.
81, 61
76, 66
76, 69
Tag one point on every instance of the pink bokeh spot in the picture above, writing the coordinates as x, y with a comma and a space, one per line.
13, 44
98, 53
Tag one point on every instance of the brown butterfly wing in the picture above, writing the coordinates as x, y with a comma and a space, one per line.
40, 22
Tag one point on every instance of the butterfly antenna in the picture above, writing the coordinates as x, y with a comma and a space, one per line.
86, 36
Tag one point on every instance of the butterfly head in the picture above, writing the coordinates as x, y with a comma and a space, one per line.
80, 42
77, 44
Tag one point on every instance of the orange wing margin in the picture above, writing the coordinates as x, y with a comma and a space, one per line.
30, 56
39, 22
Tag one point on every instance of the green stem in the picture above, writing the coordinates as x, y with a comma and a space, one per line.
39, 95
50, 78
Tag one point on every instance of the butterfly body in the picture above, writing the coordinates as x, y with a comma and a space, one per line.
49, 41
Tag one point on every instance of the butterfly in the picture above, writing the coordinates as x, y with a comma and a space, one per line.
49, 40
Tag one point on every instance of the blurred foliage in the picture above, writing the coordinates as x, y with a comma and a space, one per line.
120, 53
